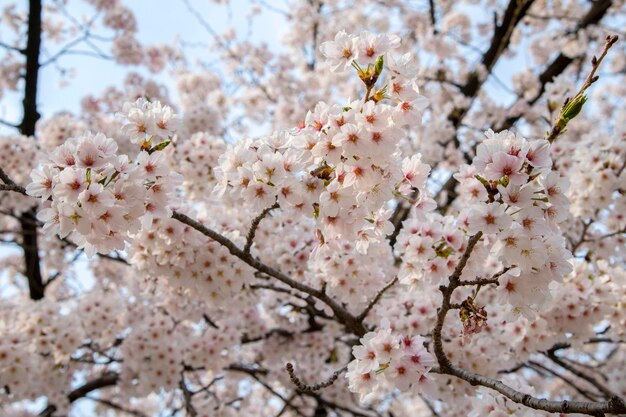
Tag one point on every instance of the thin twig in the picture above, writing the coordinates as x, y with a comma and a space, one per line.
589, 395
9, 124
302, 387
255, 225
375, 300
117, 407
572, 107
591, 380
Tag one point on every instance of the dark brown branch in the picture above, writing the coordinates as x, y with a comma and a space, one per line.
209, 321
33, 47
375, 300
255, 225
597, 11
513, 14
302, 387
286, 401
342, 315
246, 369
572, 107
485, 281
589, 395
334, 406
106, 380
447, 291
9, 124
280, 332
433, 18
11, 48
7, 180
614, 405
118, 407
191, 411
400, 214
15, 188
588, 378
32, 268
9, 184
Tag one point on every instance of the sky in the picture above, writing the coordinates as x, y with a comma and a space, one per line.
159, 21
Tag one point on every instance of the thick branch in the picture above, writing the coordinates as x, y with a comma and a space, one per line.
32, 268
514, 13
107, 380
33, 47
433, 18
615, 405
342, 315
561, 62
597, 11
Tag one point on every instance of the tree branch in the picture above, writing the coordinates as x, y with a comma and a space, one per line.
572, 107
191, 411
9, 124
375, 300
342, 315
615, 405
302, 387
118, 407
286, 401
32, 268
589, 395
255, 225
433, 19
597, 11
588, 378
106, 380
9, 184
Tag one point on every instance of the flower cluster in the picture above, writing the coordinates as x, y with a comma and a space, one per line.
525, 204
342, 165
151, 362
365, 48
148, 122
99, 197
429, 249
515, 200
52, 132
353, 277
188, 259
386, 359
198, 156
347, 215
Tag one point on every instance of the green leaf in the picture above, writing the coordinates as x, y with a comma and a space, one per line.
160, 146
